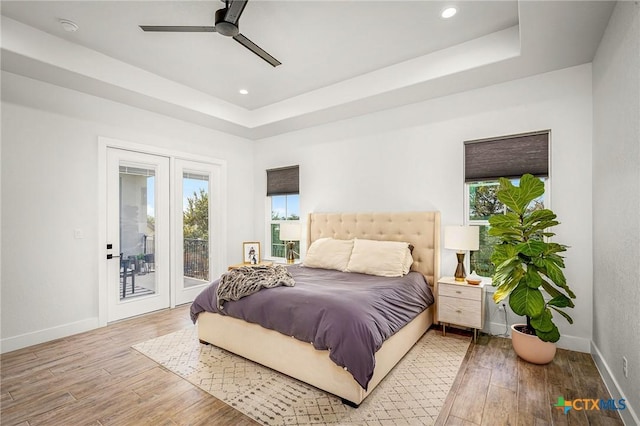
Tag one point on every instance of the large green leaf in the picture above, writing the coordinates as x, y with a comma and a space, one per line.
507, 234
509, 197
532, 248
507, 285
507, 220
560, 301
553, 271
526, 301
558, 260
530, 188
536, 229
541, 215
560, 280
536, 223
502, 252
544, 322
551, 290
564, 314
506, 271
517, 198
551, 336
540, 263
532, 277
555, 248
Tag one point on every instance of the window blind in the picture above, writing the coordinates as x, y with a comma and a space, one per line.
195, 176
507, 156
283, 181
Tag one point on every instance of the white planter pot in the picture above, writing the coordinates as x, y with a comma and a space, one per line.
531, 348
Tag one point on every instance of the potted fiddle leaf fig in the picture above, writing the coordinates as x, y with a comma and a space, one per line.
527, 264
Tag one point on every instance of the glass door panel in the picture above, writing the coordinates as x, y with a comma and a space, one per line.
138, 230
195, 228
198, 228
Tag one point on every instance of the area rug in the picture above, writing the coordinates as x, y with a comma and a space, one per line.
412, 393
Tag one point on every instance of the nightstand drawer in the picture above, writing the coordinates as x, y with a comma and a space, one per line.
459, 311
460, 291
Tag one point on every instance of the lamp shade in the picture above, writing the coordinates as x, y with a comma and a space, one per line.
290, 231
462, 237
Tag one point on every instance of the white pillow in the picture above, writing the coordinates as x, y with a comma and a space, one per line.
383, 258
329, 253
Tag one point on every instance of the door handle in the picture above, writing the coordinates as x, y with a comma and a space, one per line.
110, 256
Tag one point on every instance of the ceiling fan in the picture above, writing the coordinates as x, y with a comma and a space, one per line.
226, 23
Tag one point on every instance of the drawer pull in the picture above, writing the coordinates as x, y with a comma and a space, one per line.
458, 292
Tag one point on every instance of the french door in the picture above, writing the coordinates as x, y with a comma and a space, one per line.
163, 227
137, 236
198, 256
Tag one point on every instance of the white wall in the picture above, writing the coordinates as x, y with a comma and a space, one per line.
49, 188
410, 158
616, 219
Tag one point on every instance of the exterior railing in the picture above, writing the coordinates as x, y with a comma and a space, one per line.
196, 259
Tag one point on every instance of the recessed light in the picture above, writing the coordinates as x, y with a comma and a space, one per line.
68, 26
448, 12
243, 91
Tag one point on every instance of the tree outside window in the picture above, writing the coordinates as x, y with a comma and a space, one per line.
195, 231
482, 204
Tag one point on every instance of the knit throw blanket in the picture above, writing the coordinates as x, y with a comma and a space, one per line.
246, 280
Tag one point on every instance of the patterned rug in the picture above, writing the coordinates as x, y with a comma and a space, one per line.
412, 393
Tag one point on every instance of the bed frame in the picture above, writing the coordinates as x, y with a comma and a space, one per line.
301, 360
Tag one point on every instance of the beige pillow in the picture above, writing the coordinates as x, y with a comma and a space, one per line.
383, 258
408, 261
329, 253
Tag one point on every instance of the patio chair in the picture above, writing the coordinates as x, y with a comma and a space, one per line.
127, 268
150, 262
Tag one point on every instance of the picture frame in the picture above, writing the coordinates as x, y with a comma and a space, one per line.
251, 252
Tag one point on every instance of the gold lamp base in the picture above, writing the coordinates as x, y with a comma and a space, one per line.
460, 274
291, 258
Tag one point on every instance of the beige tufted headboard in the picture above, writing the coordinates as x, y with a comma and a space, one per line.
421, 229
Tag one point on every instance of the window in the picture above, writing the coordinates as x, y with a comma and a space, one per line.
284, 208
488, 160
283, 201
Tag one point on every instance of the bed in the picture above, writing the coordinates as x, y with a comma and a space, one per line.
301, 360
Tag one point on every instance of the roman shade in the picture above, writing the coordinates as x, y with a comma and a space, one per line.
283, 181
507, 156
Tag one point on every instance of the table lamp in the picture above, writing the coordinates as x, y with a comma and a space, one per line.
461, 239
290, 232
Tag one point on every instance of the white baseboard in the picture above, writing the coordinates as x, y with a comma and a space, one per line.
9, 344
572, 343
629, 416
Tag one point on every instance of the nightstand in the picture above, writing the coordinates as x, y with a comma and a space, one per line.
460, 303
239, 265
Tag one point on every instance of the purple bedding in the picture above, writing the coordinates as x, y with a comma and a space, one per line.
349, 314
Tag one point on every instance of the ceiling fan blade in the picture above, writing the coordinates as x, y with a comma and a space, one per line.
235, 9
256, 49
178, 28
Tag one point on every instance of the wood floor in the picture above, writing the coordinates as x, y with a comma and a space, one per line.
95, 378
495, 387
